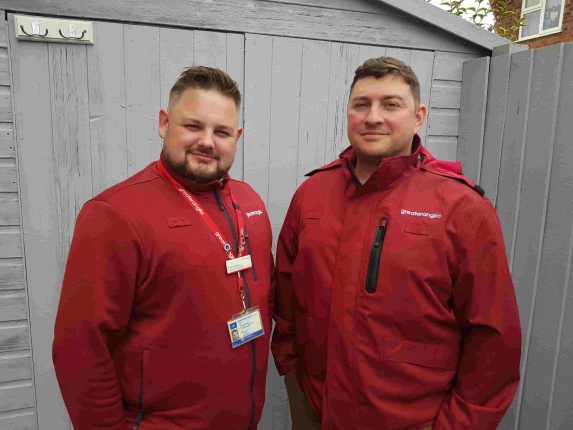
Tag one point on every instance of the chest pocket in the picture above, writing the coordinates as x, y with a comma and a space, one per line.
417, 227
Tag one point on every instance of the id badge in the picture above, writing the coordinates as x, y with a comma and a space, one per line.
239, 264
245, 326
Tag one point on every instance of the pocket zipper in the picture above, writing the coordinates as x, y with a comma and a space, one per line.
375, 256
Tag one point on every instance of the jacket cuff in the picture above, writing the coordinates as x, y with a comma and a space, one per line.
457, 414
283, 345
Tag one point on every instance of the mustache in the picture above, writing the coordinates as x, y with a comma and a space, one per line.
207, 153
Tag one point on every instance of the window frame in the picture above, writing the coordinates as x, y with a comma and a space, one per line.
541, 9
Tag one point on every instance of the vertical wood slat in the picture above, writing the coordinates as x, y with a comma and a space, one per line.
258, 79
210, 49
176, 48
236, 70
31, 80
494, 124
560, 405
472, 116
422, 63
531, 221
107, 106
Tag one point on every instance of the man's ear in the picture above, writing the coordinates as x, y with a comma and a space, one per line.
163, 122
421, 114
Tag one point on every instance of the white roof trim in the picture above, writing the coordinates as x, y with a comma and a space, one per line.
448, 22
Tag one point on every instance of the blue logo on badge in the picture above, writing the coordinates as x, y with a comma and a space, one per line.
233, 325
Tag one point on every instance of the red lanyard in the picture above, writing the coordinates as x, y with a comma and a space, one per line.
211, 224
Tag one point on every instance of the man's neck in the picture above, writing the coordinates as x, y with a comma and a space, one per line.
365, 168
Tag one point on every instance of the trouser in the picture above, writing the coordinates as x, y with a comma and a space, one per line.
302, 415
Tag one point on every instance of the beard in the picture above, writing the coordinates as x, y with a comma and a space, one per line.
197, 171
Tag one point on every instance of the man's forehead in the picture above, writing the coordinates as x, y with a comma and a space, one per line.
384, 87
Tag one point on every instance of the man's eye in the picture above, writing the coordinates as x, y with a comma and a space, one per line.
222, 133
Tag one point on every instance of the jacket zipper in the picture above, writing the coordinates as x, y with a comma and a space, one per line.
253, 350
375, 255
251, 254
140, 414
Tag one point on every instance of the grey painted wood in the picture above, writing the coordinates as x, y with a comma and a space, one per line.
142, 93
236, 69
264, 17
41, 225
314, 96
400, 54
561, 406
366, 52
210, 49
8, 176
532, 407
7, 141
449, 66
4, 67
5, 105
13, 305
442, 147
10, 242
3, 34
443, 122
422, 63
14, 336
15, 366
16, 395
494, 124
472, 116
24, 419
356, 5
258, 60
11, 274
446, 94
9, 209
175, 54
343, 64
107, 106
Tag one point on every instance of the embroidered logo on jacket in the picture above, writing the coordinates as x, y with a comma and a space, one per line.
250, 214
422, 214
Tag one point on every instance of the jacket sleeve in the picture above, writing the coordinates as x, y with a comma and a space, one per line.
284, 336
95, 304
486, 310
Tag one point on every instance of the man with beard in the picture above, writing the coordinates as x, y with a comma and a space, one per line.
162, 269
395, 305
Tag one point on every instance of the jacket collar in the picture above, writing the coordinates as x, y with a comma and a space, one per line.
197, 188
391, 170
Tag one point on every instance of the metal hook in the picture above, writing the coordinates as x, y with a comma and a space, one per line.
35, 30
72, 33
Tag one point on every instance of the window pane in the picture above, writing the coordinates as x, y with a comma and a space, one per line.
530, 3
552, 14
531, 24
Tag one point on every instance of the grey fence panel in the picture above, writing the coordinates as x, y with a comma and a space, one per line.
236, 69
472, 115
494, 123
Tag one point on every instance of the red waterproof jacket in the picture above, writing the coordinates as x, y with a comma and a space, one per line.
394, 298
142, 319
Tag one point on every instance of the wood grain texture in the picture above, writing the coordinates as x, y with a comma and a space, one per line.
472, 116
210, 49
422, 63
546, 205
314, 96
175, 54
494, 124
4, 67
7, 141
366, 52
15, 366
8, 176
442, 147
446, 94
258, 79
9, 209
449, 66
236, 70
356, 5
400, 54
10, 242
16, 395
142, 93
561, 407
3, 34
11, 274
24, 419
443, 122
264, 17
13, 305
107, 106
5, 105
15, 337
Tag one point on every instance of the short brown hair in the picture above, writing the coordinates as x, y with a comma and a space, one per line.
205, 78
381, 66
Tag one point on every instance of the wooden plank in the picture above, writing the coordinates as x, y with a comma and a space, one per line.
3, 35
11, 274
404, 55
210, 49
472, 116
422, 63
8, 176
107, 106
10, 242
366, 52
442, 147
4, 67
16, 395
236, 69
15, 366
143, 92
498, 85
532, 406
5, 105
13, 305
314, 93
14, 336
356, 6
7, 141
343, 64
446, 94
258, 79
561, 407
443, 122
9, 209
31, 76
264, 17
448, 66
24, 419
175, 54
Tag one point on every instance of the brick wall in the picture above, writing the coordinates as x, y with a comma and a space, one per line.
566, 34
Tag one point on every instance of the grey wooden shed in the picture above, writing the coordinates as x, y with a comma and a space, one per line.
75, 119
